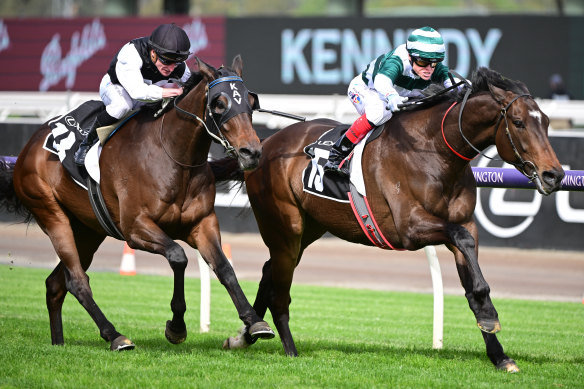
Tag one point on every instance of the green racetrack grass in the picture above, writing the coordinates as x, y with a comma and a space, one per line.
345, 338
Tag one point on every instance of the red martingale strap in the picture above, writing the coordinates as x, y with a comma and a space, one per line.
444, 136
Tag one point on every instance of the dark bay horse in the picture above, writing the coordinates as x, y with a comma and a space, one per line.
157, 186
420, 189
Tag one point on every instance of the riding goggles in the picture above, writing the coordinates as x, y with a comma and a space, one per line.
423, 62
165, 59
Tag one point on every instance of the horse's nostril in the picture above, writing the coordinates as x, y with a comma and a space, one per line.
552, 177
249, 154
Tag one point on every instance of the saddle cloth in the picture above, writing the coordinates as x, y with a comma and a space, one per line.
333, 186
345, 190
67, 133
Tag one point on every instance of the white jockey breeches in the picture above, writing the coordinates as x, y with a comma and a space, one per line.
117, 101
368, 101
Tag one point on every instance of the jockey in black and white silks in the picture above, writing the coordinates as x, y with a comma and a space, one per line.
145, 70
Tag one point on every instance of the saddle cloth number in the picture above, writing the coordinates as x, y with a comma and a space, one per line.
315, 179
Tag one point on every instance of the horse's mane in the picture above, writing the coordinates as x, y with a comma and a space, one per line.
485, 76
193, 81
480, 80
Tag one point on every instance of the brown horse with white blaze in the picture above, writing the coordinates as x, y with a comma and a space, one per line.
157, 187
420, 189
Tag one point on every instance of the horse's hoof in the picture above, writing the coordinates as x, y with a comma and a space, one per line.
261, 330
509, 366
489, 326
122, 343
174, 337
238, 341
235, 342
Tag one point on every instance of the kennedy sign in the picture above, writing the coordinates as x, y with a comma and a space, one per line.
337, 54
321, 56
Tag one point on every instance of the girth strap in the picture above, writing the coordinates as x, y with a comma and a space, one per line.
100, 210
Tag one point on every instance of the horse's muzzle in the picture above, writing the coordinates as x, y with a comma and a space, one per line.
249, 158
551, 181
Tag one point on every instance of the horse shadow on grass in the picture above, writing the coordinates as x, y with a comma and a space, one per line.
205, 343
313, 347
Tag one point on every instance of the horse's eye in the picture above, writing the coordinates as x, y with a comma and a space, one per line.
219, 107
518, 123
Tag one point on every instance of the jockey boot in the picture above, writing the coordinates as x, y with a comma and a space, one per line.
102, 119
340, 150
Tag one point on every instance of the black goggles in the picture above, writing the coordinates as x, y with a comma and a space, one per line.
170, 61
423, 62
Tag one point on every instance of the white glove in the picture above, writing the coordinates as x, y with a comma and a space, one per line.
393, 101
448, 84
462, 86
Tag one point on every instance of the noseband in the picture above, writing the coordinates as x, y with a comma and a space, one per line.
521, 166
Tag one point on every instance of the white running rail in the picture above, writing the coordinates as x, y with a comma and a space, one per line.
38, 107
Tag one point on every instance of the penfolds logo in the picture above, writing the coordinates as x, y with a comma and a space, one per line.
84, 44
197, 35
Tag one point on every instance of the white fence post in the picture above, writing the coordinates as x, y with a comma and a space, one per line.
437, 341
205, 314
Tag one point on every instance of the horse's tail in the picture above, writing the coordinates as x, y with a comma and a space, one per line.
226, 169
9, 202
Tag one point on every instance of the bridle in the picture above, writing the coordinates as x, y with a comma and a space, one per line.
522, 165
231, 111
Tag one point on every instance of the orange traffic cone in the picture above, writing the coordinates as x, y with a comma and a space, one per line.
227, 251
128, 266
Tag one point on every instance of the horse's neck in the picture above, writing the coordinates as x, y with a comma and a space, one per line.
185, 134
478, 120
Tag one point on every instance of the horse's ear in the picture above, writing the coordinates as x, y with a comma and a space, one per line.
206, 70
497, 93
237, 65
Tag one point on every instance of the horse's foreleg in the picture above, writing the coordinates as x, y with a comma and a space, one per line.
477, 290
207, 241
147, 235
465, 248
497, 355
176, 329
243, 339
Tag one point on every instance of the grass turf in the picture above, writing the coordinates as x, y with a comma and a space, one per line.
345, 338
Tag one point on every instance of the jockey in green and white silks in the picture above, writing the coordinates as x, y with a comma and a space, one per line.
388, 81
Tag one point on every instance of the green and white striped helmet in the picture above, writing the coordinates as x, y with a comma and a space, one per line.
426, 43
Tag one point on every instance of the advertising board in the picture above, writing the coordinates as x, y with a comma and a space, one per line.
524, 218
321, 55
74, 54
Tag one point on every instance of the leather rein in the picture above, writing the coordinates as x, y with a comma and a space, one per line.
521, 166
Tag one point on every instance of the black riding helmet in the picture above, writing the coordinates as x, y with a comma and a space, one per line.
170, 42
